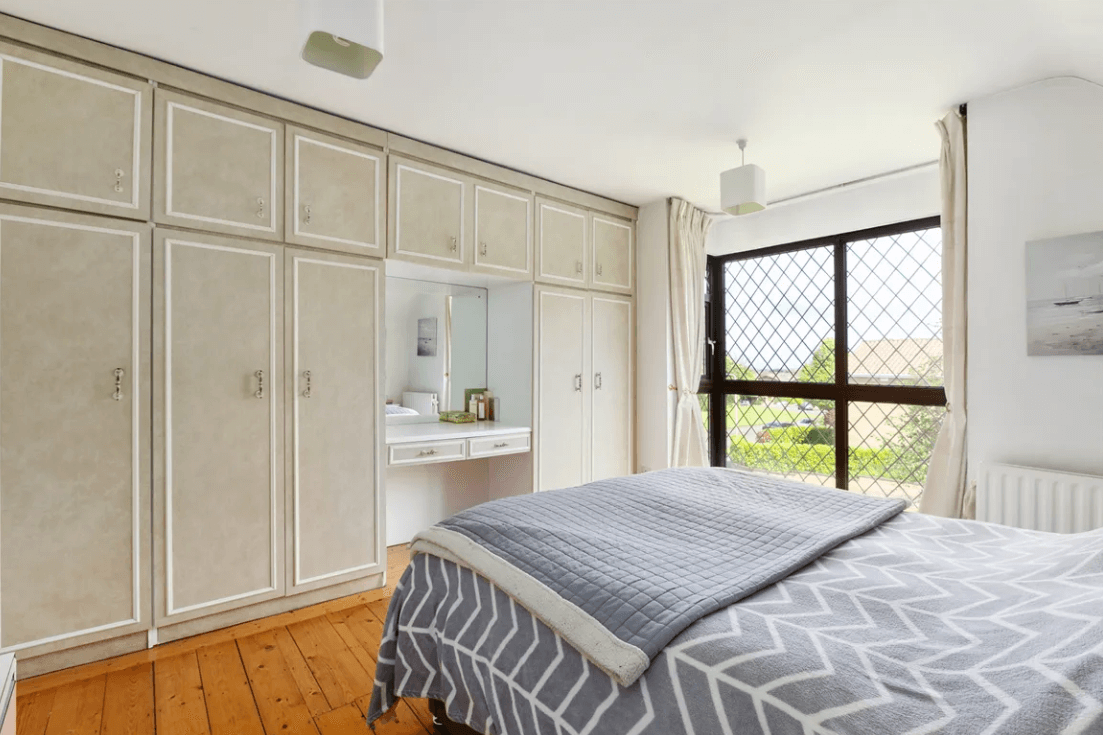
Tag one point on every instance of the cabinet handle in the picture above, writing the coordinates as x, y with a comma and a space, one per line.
426, 452
578, 267
503, 445
599, 269
597, 381
118, 394
482, 248
260, 384
306, 210
119, 174
260, 207
454, 245
578, 382
308, 392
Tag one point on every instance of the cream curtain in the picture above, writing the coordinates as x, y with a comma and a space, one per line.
688, 229
946, 493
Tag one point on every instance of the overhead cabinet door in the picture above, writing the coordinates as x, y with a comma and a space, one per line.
334, 193
612, 266
220, 499
74, 429
564, 388
503, 230
334, 310
218, 169
73, 136
612, 449
561, 244
429, 211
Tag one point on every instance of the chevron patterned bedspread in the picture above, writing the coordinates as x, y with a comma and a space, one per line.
922, 625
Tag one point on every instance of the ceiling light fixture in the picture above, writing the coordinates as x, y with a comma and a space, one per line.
743, 189
345, 36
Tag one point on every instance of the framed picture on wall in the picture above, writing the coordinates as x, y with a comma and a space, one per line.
427, 337
1064, 294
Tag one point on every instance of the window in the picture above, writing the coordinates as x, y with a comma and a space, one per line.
827, 359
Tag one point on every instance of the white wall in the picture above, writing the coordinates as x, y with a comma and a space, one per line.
654, 369
885, 201
1035, 171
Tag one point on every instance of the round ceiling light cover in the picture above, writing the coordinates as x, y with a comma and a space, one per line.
345, 36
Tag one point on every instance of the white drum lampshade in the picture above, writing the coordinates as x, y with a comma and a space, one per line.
743, 189
345, 36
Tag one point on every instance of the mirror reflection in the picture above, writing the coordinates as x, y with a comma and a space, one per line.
436, 347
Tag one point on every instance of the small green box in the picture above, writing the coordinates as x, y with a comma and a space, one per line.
458, 417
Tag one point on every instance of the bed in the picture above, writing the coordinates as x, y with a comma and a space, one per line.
915, 625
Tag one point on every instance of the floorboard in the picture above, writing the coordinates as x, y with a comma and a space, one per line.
128, 702
307, 672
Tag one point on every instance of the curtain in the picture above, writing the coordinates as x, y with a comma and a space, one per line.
946, 492
688, 229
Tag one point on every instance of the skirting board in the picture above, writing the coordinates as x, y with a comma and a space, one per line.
50, 662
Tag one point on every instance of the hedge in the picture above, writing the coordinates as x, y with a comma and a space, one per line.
783, 456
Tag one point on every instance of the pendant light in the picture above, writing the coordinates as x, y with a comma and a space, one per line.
743, 189
345, 36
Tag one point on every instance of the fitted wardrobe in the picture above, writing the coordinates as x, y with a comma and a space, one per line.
192, 281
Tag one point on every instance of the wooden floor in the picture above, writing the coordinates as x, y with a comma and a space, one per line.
309, 671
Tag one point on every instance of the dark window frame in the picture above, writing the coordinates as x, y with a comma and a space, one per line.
718, 386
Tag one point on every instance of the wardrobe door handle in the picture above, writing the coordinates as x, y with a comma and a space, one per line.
578, 267
599, 269
308, 392
260, 207
260, 384
597, 381
118, 394
454, 244
119, 174
306, 211
578, 382
482, 248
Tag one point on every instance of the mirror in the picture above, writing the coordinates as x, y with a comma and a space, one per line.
436, 347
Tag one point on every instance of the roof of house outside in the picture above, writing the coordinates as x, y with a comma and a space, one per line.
907, 361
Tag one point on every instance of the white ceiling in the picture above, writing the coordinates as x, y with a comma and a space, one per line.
637, 100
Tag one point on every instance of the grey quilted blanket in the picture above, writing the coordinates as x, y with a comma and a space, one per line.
619, 568
922, 625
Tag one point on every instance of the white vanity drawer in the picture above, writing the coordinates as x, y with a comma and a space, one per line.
489, 446
426, 452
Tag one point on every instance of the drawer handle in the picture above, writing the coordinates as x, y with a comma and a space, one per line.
597, 381
260, 384
501, 445
578, 382
260, 207
578, 267
453, 245
119, 174
306, 210
309, 391
482, 248
426, 452
118, 394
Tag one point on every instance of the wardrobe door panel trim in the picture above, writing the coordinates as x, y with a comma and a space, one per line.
521, 197
140, 402
141, 151
379, 542
299, 137
399, 168
595, 220
272, 386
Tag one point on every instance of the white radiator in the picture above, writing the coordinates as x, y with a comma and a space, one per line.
1042, 500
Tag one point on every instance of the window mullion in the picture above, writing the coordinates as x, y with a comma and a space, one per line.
842, 421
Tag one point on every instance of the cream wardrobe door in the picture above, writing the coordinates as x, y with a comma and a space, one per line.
335, 418
73, 136
429, 213
218, 169
612, 338
74, 429
612, 266
561, 244
562, 344
503, 230
219, 504
334, 193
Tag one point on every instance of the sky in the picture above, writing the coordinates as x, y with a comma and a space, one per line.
781, 307
1064, 266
